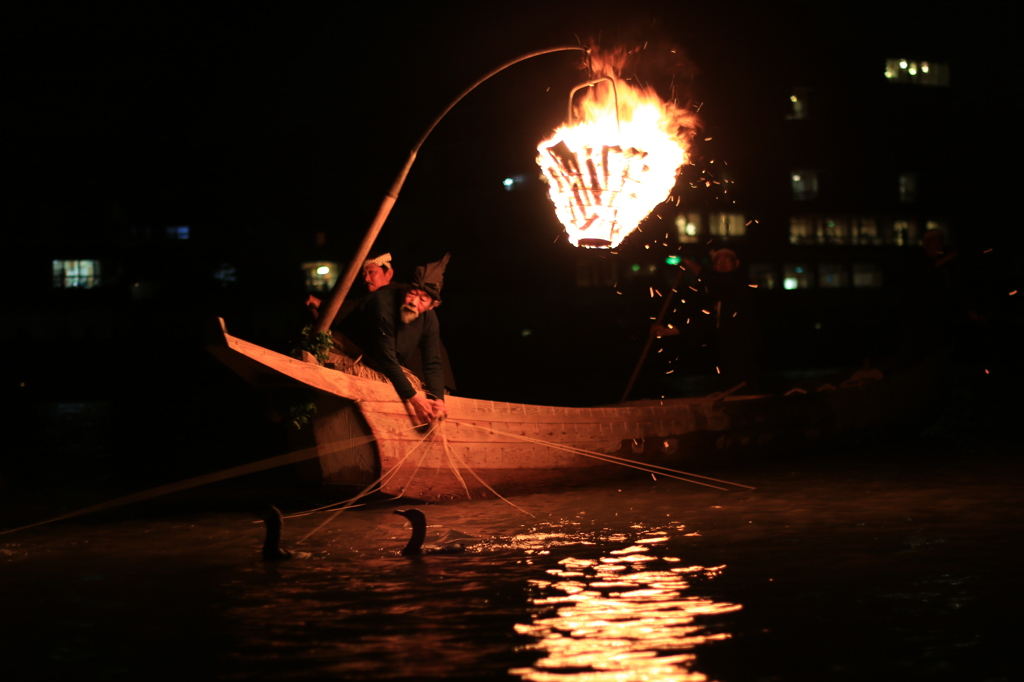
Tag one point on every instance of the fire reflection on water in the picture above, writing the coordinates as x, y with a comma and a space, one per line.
622, 617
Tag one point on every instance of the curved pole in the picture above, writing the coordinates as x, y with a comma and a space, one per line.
343, 285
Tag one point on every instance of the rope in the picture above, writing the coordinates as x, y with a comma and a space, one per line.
368, 489
309, 453
456, 455
270, 463
614, 459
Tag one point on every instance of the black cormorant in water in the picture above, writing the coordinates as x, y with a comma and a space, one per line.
272, 550
419, 533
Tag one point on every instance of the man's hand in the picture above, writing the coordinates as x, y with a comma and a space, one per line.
423, 409
440, 409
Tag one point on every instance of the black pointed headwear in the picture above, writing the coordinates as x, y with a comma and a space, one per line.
430, 277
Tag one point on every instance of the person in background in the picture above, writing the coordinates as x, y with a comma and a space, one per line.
377, 273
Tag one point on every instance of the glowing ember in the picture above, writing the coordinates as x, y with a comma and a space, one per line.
610, 166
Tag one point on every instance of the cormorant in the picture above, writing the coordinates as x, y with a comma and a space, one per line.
419, 533
272, 550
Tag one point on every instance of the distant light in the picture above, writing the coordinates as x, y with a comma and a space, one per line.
790, 283
513, 180
817, 325
924, 67
673, 260
796, 178
793, 98
635, 267
799, 270
323, 270
526, 332
903, 63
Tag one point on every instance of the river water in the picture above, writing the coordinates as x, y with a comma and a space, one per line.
893, 558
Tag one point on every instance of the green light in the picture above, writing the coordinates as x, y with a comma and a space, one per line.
673, 260
635, 267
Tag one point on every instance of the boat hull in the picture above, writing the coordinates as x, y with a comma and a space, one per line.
362, 434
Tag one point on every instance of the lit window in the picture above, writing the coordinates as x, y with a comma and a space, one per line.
831, 276
177, 232
864, 231
801, 230
805, 184
835, 230
76, 274
763, 275
917, 72
866, 275
796, 276
904, 232
908, 188
320, 275
726, 225
688, 227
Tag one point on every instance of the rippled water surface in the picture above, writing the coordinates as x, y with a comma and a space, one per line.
885, 562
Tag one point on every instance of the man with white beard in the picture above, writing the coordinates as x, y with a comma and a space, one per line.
395, 323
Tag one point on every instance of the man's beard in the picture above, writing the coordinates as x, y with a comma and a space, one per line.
408, 313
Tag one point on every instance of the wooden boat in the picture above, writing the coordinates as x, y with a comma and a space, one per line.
362, 435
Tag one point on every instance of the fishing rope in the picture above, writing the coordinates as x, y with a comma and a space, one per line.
368, 489
262, 465
448, 453
614, 459
309, 453
456, 455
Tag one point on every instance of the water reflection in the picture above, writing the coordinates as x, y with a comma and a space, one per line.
622, 616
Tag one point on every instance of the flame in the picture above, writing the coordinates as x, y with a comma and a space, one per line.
616, 159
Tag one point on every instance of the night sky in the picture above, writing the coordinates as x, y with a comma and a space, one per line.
252, 114
249, 121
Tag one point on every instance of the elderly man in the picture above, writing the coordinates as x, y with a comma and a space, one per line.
395, 323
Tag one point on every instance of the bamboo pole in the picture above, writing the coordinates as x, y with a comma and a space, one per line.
650, 337
343, 285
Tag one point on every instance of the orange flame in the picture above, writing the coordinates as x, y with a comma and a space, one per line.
617, 160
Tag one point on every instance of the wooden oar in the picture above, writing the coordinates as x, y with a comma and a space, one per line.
669, 297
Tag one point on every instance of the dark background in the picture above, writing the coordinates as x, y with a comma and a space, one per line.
275, 133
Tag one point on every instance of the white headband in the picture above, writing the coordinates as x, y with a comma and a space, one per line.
382, 260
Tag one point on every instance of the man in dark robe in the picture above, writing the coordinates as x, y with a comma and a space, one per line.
394, 324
